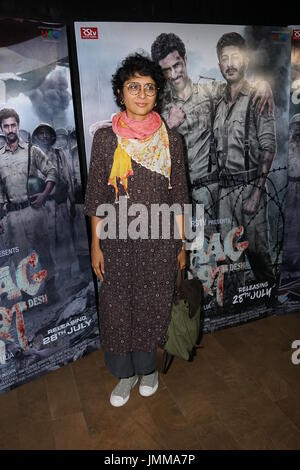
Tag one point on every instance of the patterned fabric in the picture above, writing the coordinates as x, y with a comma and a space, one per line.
152, 153
136, 296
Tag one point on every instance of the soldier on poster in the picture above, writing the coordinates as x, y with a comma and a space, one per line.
62, 143
45, 321
195, 86
60, 204
190, 108
246, 146
24, 194
62, 137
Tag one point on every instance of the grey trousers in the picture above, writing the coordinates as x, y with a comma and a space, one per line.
133, 363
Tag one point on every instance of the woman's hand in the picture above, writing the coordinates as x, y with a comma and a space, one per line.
97, 261
181, 259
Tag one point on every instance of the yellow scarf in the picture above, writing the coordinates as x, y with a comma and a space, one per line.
152, 153
121, 169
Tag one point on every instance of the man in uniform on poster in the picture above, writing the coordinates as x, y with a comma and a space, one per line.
62, 137
60, 215
246, 145
190, 109
26, 220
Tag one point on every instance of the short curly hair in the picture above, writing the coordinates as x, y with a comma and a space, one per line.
143, 65
166, 43
231, 39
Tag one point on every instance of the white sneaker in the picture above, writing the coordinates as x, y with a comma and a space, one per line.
121, 393
149, 384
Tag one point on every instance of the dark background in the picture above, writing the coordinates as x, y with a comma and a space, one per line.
244, 12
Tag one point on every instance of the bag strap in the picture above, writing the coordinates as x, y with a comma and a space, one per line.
163, 360
180, 278
178, 281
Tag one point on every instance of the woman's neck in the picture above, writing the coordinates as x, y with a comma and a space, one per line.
135, 117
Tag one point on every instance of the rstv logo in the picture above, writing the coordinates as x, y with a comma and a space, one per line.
89, 33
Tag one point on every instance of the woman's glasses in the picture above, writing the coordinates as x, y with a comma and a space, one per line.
134, 88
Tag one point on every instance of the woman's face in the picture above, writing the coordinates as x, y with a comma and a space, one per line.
139, 96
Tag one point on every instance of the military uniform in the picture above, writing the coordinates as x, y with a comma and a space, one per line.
59, 223
197, 130
26, 226
60, 227
238, 164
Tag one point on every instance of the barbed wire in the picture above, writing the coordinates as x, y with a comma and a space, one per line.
271, 197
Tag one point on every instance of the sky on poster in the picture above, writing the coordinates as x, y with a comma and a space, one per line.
26, 68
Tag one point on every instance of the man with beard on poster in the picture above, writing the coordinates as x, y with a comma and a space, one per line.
60, 215
26, 220
246, 145
190, 109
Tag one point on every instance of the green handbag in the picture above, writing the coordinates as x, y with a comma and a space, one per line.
185, 328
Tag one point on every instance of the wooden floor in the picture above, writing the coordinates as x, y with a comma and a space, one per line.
241, 392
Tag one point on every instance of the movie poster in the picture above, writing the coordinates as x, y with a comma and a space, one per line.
236, 152
48, 313
290, 275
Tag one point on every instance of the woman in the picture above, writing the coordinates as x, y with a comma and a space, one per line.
139, 159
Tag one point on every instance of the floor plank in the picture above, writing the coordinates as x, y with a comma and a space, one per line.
240, 392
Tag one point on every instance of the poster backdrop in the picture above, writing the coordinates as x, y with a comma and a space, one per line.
237, 158
47, 312
290, 276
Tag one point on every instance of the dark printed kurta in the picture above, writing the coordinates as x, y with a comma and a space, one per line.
136, 296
